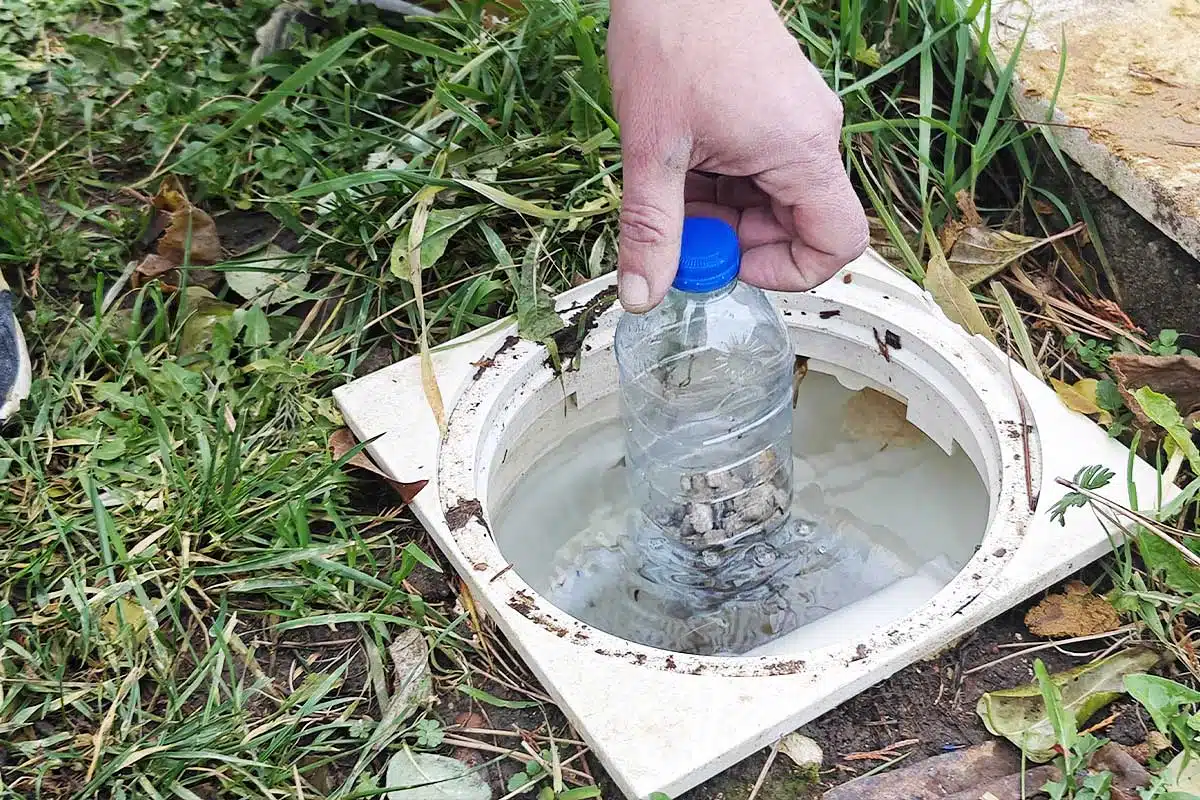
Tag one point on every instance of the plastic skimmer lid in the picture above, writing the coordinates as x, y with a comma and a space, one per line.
709, 255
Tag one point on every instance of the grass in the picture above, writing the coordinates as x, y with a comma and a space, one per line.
197, 598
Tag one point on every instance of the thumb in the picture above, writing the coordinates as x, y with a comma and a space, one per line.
651, 227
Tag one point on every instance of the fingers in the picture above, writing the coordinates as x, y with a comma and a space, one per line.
731, 191
651, 226
816, 200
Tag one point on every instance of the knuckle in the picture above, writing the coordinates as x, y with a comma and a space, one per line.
642, 223
858, 240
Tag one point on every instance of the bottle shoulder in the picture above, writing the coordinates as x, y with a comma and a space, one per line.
742, 319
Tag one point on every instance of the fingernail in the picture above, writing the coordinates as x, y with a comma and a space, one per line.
634, 291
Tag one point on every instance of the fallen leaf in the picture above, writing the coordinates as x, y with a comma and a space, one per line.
470, 719
125, 616
440, 226
197, 332
803, 751
980, 252
1177, 377
177, 225
1162, 411
424, 776
953, 296
342, 442
536, 317
189, 227
1127, 774
1074, 612
873, 415
1080, 397
412, 683
277, 277
1183, 774
154, 265
1019, 714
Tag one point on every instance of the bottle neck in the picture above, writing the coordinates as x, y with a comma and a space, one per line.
703, 297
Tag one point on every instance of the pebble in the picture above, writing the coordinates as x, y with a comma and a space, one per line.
700, 517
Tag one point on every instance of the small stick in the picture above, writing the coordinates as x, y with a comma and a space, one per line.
762, 776
1128, 629
882, 754
1104, 723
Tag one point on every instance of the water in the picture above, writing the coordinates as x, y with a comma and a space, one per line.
881, 519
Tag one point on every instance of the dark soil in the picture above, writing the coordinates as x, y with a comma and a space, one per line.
931, 701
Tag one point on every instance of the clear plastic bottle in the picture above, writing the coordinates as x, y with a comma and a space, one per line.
706, 389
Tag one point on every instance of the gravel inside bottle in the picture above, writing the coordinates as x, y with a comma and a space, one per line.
706, 389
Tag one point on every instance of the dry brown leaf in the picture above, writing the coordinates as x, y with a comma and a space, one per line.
154, 265
953, 296
176, 220
1075, 612
205, 245
876, 416
980, 253
1178, 377
1081, 397
342, 441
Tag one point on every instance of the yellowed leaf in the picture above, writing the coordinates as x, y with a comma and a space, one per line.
952, 295
127, 612
1081, 397
416, 234
979, 253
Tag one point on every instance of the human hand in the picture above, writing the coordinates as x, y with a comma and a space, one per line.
722, 116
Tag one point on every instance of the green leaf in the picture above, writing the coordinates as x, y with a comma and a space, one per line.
442, 224
492, 700
420, 556
1020, 715
312, 69
1175, 507
1181, 778
1162, 412
465, 114
418, 46
952, 294
580, 793
1061, 722
202, 325
514, 203
1161, 697
536, 318
1168, 563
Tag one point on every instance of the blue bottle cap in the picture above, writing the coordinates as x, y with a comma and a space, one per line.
709, 255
